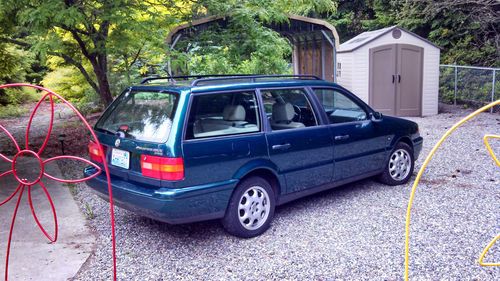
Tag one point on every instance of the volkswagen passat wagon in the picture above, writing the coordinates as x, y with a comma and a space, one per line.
233, 148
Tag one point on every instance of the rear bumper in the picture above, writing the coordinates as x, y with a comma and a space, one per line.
171, 205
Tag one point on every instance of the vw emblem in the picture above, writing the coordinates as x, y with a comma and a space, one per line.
117, 142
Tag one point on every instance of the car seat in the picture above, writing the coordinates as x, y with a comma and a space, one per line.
282, 117
233, 121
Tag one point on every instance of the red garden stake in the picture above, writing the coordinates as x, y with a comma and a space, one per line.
25, 184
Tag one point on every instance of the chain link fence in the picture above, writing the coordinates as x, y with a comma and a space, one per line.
469, 86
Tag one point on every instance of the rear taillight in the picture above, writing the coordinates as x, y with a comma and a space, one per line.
163, 168
94, 152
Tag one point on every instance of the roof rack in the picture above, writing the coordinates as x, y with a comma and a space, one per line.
187, 77
223, 77
253, 78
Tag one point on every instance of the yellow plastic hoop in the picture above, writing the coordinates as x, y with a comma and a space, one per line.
422, 170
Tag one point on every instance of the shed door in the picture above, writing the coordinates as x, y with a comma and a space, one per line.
409, 87
382, 88
396, 79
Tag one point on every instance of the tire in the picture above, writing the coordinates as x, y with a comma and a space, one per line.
398, 171
258, 196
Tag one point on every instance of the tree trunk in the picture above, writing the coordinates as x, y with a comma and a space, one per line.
104, 89
100, 67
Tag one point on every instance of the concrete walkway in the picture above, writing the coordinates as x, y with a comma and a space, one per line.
32, 256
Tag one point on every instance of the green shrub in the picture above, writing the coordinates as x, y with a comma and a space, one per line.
12, 111
227, 50
14, 65
66, 81
22, 95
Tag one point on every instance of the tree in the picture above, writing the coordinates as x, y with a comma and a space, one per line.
348, 20
468, 30
92, 32
124, 36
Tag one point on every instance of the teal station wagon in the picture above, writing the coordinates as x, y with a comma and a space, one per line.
186, 149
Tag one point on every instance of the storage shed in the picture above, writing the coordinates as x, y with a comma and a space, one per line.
392, 69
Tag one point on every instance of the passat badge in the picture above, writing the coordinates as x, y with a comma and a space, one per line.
117, 142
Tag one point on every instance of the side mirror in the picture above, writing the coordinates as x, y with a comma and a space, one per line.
376, 116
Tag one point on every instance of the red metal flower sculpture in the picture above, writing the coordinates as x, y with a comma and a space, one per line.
25, 184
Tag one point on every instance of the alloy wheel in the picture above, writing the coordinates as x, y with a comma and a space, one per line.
399, 164
253, 208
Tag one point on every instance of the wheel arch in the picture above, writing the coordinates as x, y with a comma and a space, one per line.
264, 169
403, 139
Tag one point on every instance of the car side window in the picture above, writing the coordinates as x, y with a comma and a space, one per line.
288, 109
221, 114
338, 107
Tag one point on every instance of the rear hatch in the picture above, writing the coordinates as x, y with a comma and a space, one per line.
134, 131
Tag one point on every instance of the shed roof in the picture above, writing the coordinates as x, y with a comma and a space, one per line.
368, 36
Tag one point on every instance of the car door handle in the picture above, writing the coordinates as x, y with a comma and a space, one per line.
343, 137
284, 146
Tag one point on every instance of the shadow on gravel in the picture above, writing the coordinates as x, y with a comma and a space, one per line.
327, 195
196, 230
208, 229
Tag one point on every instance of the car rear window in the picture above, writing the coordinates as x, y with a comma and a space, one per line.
140, 115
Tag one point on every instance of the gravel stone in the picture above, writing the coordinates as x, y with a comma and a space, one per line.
354, 232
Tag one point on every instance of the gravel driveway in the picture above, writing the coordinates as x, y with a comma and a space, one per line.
354, 232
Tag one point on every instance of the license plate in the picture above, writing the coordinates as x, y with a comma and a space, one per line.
120, 158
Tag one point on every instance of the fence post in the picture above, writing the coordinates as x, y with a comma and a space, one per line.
456, 77
493, 88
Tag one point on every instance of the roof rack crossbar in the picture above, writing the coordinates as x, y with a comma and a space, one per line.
252, 77
186, 77
216, 77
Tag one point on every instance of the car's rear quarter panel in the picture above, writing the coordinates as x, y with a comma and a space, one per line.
216, 160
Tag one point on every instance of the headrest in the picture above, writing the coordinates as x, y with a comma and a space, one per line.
283, 112
234, 113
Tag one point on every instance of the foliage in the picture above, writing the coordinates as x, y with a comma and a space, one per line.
14, 67
349, 17
11, 110
67, 81
468, 31
226, 50
265, 11
20, 96
14, 63
105, 40
474, 86
91, 33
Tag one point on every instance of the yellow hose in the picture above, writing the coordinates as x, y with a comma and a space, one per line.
485, 251
490, 151
422, 170
488, 147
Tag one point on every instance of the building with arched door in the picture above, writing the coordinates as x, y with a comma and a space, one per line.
314, 42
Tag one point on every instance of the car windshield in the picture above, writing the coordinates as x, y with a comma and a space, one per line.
140, 115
